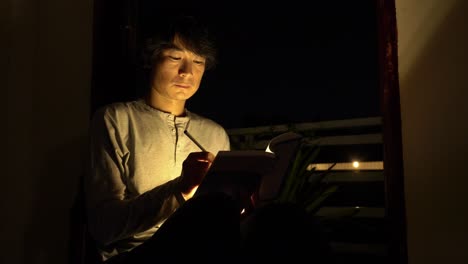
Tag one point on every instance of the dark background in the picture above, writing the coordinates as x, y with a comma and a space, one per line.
279, 63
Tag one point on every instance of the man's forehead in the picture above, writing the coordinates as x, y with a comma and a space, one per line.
178, 43
177, 48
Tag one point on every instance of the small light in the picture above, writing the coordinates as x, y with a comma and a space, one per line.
243, 211
355, 164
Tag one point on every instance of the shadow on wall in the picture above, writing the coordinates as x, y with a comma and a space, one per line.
443, 57
48, 230
434, 109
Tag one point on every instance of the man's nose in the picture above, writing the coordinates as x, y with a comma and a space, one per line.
185, 68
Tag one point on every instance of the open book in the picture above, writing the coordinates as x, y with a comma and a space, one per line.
240, 173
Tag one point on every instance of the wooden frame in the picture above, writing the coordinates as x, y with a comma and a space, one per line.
392, 135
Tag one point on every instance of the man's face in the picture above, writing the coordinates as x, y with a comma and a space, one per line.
178, 73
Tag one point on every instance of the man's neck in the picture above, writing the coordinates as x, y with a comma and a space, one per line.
176, 108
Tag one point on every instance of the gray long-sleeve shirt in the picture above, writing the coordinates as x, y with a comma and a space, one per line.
136, 160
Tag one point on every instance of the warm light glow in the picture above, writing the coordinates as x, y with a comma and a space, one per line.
243, 211
340, 166
356, 164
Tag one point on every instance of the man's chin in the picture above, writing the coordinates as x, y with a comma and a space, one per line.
183, 95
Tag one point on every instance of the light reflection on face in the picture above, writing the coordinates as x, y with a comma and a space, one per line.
178, 73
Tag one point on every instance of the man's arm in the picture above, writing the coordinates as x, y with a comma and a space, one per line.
111, 214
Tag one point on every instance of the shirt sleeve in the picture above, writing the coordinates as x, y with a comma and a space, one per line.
112, 215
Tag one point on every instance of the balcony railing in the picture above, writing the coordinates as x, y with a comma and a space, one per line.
361, 235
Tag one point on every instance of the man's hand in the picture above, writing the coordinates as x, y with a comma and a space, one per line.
194, 169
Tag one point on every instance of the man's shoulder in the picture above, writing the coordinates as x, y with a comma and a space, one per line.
205, 121
116, 109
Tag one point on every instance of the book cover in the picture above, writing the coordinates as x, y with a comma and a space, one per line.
240, 173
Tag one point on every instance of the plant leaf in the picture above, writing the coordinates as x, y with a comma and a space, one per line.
313, 205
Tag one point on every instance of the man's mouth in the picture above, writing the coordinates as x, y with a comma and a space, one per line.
182, 85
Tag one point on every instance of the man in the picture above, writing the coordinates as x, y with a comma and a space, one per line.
143, 165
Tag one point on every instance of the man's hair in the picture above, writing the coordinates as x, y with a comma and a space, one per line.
194, 35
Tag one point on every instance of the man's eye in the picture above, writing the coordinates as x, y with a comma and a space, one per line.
174, 58
199, 62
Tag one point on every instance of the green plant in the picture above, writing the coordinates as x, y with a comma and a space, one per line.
304, 185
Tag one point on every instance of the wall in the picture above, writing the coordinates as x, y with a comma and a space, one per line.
47, 72
433, 69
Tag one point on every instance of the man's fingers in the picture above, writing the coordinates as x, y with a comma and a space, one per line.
201, 156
